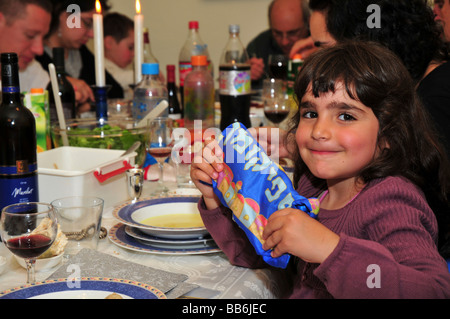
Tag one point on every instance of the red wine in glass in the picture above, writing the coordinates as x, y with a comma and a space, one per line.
160, 153
29, 246
276, 116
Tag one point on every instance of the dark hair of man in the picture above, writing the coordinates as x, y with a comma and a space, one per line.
407, 143
407, 28
13, 9
117, 25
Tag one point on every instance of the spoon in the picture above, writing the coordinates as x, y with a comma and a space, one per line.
132, 148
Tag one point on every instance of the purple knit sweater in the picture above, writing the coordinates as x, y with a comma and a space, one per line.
386, 250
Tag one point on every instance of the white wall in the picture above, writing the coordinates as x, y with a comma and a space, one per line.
167, 21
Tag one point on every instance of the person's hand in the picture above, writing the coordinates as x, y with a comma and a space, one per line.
205, 167
256, 68
304, 46
272, 140
83, 92
292, 231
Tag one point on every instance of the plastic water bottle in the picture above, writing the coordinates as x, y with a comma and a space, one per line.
149, 92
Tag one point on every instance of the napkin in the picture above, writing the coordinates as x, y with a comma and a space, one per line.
93, 263
254, 187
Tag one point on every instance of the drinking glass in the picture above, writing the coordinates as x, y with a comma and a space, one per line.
159, 146
278, 66
28, 230
276, 108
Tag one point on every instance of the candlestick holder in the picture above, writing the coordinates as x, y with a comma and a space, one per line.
101, 102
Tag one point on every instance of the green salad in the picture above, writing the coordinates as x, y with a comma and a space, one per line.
104, 137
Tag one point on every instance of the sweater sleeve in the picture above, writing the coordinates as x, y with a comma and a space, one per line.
230, 238
395, 258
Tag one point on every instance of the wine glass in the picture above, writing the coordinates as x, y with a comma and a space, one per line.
28, 230
278, 66
159, 146
276, 108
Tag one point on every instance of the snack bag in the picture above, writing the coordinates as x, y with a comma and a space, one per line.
253, 187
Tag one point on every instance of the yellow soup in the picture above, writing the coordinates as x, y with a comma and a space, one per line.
175, 221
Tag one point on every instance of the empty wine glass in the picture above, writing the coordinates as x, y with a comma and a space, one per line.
28, 230
276, 108
159, 146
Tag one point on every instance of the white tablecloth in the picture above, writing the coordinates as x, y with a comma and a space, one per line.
213, 273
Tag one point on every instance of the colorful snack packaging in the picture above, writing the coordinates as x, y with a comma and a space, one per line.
253, 187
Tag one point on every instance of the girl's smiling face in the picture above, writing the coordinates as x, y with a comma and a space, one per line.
336, 135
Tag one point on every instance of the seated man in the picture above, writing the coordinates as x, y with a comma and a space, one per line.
23, 25
288, 20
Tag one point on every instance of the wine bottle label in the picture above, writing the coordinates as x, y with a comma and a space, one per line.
10, 89
18, 190
234, 82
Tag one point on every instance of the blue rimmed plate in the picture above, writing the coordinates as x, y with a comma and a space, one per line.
134, 214
180, 243
85, 288
119, 237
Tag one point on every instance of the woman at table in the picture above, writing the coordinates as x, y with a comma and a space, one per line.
362, 146
79, 60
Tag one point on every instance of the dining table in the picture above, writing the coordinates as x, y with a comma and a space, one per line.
208, 274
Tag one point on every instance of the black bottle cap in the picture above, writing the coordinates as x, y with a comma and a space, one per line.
9, 57
58, 57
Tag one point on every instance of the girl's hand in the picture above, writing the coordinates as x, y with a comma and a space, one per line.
204, 168
292, 231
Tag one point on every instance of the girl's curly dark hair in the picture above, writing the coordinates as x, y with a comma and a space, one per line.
377, 78
407, 28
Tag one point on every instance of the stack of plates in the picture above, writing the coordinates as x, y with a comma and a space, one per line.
168, 225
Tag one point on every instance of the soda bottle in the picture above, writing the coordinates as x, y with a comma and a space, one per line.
234, 82
194, 45
199, 94
149, 92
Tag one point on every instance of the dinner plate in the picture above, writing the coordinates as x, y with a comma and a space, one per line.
133, 214
120, 238
85, 288
180, 243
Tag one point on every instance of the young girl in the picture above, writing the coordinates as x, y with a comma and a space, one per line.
364, 149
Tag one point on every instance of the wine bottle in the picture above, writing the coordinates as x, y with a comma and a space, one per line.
174, 104
66, 91
18, 156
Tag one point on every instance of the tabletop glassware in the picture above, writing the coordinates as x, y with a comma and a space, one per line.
28, 230
276, 108
159, 146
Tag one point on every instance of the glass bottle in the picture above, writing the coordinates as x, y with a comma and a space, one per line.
149, 57
18, 156
174, 104
199, 94
234, 81
66, 91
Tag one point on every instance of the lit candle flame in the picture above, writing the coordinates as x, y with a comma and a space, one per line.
98, 7
138, 7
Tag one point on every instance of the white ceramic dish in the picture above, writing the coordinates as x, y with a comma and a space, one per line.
89, 288
42, 264
132, 214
